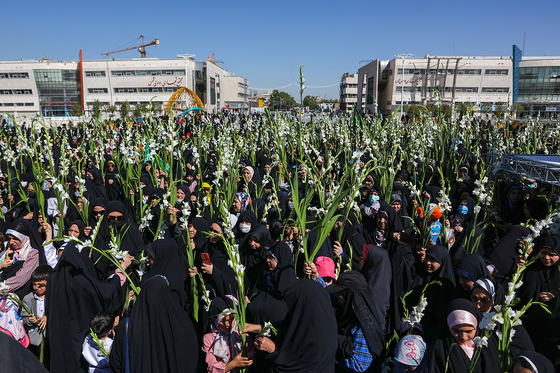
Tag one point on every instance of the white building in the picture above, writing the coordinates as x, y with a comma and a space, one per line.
533, 82
52, 88
474, 80
235, 92
349, 92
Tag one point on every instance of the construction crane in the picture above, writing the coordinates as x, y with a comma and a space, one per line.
141, 48
211, 59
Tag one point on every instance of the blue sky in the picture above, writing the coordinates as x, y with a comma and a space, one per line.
267, 41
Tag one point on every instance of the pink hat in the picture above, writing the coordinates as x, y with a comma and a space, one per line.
325, 267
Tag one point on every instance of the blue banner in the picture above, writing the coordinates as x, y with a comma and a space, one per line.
517, 54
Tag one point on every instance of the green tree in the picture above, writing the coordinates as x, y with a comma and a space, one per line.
311, 101
77, 110
462, 108
486, 107
518, 108
111, 110
139, 110
288, 102
124, 109
97, 110
413, 111
157, 107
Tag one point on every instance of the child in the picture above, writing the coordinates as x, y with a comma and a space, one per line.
103, 325
36, 323
223, 344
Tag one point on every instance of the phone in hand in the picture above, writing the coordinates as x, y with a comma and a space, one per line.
11, 256
205, 258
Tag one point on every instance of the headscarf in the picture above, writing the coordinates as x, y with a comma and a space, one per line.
16, 358
473, 267
504, 254
378, 274
410, 350
166, 263
102, 202
157, 333
74, 296
308, 335
244, 198
538, 362
358, 309
95, 187
267, 302
445, 355
9, 318
493, 288
220, 308
441, 255
462, 317
81, 227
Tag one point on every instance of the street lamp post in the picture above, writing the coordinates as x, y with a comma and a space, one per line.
403, 57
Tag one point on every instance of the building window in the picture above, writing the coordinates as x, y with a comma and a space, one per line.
95, 73
14, 75
469, 72
16, 92
496, 72
98, 90
495, 89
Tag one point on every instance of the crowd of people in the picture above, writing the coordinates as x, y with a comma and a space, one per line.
223, 243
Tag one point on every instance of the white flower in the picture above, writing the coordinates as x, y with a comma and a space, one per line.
498, 318
512, 333
480, 342
476, 209
4, 287
509, 299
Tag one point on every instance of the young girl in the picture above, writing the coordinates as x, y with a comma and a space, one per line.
223, 344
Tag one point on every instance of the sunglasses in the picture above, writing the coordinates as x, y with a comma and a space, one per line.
101, 212
113, 218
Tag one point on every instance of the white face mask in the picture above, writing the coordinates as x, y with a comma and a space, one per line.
244, 228
145, 200
24, 184
180, 200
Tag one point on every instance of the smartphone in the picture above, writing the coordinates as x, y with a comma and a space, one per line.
11, 255
205, 258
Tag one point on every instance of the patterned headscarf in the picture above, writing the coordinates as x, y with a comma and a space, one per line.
410, 350
244, 198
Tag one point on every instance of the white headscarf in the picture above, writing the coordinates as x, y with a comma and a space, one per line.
24, 249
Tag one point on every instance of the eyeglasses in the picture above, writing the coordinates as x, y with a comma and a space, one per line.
100, 212
113, 218
480, 300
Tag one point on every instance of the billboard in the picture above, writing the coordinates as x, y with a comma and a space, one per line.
517, 54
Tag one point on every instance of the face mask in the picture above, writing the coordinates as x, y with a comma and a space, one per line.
116, 223
291, 205
4, 210
373, 198
244, 228
24, 184
463, 210
77, 194
180, 200
31, 194
142, 186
